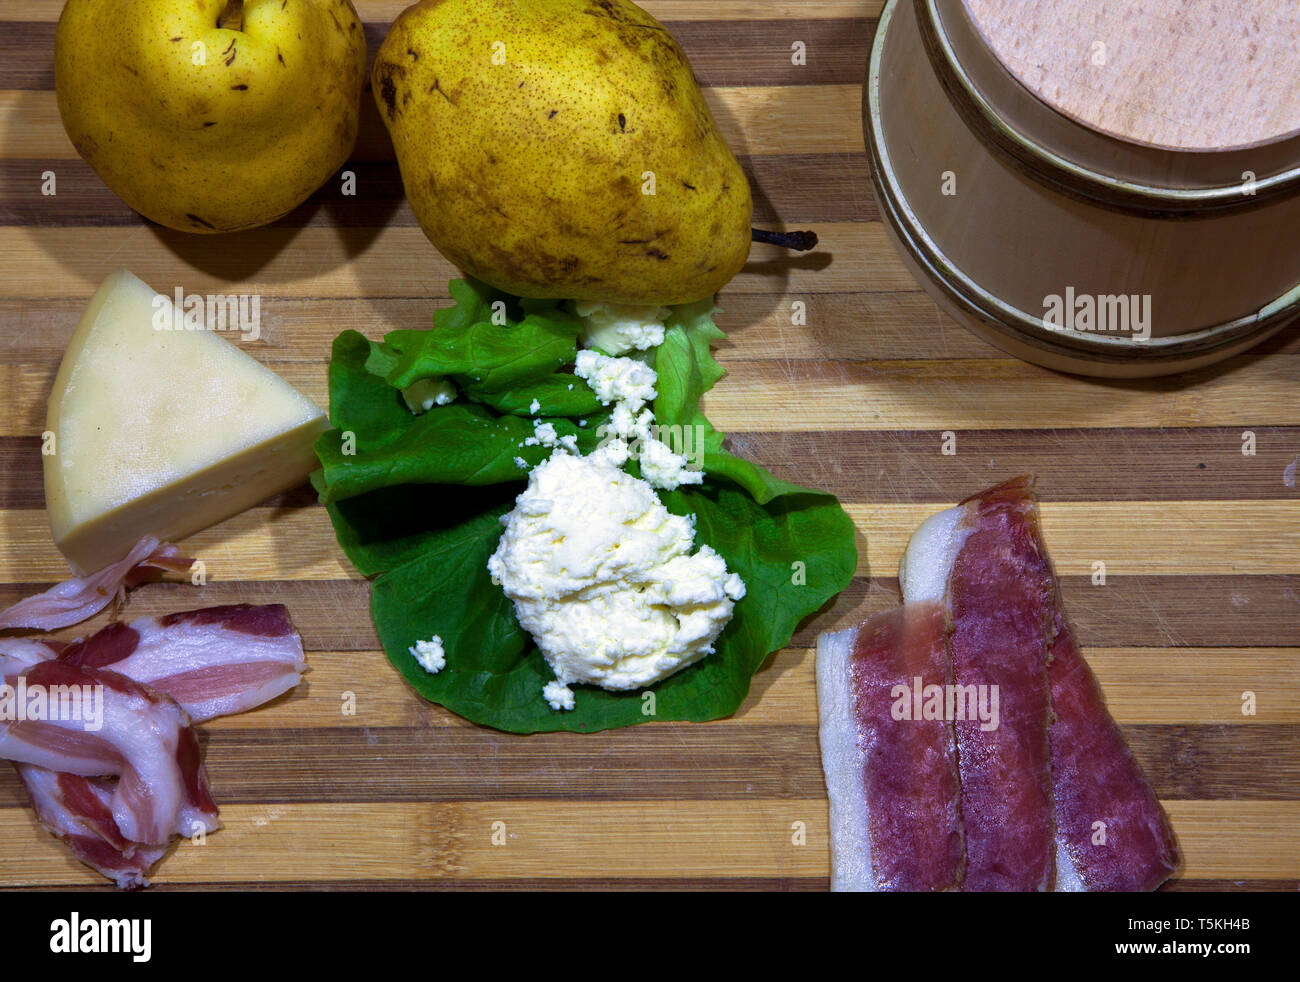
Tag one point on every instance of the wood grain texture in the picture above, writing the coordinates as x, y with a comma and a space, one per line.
832, 43
842, 374
423, 844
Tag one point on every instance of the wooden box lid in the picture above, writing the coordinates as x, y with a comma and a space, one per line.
1190, 75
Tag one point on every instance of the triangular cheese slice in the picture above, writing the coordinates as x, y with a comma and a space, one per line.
162, 431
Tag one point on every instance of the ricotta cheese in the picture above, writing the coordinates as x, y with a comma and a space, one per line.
543, 435
558, 695
423, 395
430, 655
604, 577
663, 467
626, 381
630, 384
617, 329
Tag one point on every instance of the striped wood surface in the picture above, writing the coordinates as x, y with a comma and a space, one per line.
1201, 543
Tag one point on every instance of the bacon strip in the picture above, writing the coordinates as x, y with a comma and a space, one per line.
1109, 822
1001, 596
144, 739
214, 662
75, 600
78, 811
891, 773
1094, 777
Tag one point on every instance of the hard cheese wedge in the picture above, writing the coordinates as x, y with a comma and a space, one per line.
162, 432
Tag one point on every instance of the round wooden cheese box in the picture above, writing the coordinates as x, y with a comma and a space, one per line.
1103, 188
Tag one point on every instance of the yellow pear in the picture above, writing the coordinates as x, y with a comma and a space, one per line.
209, 128
562, 149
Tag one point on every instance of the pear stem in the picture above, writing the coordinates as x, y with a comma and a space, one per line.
232, 17
798, 241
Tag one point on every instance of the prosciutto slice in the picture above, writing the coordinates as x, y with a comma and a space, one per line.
986, 559
1000, 597
78, 811
75, 600
131, 732
1111, 832
891, 767
214, 662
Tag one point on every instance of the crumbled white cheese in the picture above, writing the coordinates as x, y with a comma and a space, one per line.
558, 695
663, 467
627, 381
424, 394
544, 435
604, 579
534, 407
630, 385
628, 424
430, 655
617, 329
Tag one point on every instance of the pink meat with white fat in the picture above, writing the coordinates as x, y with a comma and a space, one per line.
1048, 796
81, 598
78, 811
141, 737
895, 798
212, 662
217, 661
987, 560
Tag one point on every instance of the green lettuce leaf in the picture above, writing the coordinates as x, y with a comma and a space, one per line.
377, 442
417, 504
461, 444
687, 370
487, 343
559, 394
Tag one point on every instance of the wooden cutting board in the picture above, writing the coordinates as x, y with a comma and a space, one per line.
1200, 542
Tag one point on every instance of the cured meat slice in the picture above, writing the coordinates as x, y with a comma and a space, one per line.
75, 600
19, 654
78, 811
889, 758
997, 583
214, 662
129, 731
1109, 829
1049, 794
1112, 832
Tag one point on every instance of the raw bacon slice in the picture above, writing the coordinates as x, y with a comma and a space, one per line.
891, 773
19, 654
1000, 596
214, 662
1093, 773
78, 811
142, 738
75, 600
1109, 823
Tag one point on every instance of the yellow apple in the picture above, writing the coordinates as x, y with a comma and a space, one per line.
211, 115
